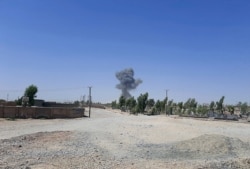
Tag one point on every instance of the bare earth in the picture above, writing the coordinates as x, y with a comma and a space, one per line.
120, 140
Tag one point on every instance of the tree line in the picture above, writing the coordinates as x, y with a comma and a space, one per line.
145, 105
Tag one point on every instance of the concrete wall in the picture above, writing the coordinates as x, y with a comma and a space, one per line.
40, 112
1, 111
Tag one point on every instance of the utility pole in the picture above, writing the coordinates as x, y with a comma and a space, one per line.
167, 92
90, 102
166, 101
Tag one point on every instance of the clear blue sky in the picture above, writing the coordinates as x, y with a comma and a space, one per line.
195, 48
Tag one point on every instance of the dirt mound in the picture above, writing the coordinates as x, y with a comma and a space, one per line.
45, 137
209, 146
230, 164
28, 150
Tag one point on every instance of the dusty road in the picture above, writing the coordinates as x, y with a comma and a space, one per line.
115, 140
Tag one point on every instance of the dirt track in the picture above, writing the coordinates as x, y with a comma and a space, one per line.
115, 140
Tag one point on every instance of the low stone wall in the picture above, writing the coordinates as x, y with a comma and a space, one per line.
40, 112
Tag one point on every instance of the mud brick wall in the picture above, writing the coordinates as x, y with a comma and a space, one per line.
60, 112
43, 113
40, 112
10, 112
76, 112
1, 111
27, 112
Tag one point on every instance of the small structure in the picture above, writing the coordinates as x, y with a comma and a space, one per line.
52, 110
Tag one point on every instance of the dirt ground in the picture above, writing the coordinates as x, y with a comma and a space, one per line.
118, 140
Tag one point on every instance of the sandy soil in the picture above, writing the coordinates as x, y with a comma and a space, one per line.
120, 140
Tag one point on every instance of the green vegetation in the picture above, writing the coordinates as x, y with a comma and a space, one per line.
189, 108
30, 92
219, 104
243, 107
142, 103
131, 104
122, 102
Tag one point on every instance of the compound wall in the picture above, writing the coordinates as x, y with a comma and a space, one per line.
40, 112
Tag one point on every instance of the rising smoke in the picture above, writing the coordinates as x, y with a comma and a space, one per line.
127, 81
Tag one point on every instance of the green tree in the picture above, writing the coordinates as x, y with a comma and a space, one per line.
113, 104
150, 103
179, 107
191, 105
169, 107
158, 106
219, 104
122, 101
141, 103
150, 107
211, 106
231, 109
30, 92
131, 104
243, 107
202, 109
164, 105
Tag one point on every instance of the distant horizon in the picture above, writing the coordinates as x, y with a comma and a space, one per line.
196, 49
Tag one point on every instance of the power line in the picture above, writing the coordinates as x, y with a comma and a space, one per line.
167, 92
90, 100
166, 101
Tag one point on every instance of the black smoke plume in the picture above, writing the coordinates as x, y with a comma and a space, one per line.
127, 81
